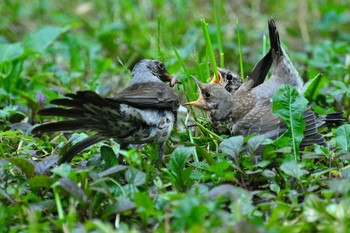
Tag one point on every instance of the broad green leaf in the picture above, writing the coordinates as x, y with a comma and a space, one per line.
290, 106
135, 177
144, 206
275, 188
279, 212
312, 88
42, 38
254, 143
25, 166
9, 52
63, 170
177, 163
342, 137
40, 181
8, 111
178, 159
241, 203
291, 168
340, 186
232, 146
73, 189
346, 172
109, 156
314, 208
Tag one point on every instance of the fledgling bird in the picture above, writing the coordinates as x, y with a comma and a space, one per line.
244, 114
144, 112
227, 78
283, 72
232, 81
254, 92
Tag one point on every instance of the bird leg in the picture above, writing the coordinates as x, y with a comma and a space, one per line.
161, 151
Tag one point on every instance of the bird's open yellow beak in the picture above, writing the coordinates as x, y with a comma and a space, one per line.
200, 102
216, 79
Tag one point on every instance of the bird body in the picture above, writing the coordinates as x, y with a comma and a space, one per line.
243, 114
144, 112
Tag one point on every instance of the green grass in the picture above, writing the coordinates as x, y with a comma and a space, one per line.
209, 182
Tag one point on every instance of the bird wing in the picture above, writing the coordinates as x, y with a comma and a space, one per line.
275, 42
148, 95
260, 70
86, 110
260, 120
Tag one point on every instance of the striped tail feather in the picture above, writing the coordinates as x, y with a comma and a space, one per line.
80, 146
68, 125
336, 118
311, 136
62, 112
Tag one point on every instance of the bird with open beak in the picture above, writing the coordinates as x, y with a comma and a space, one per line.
243, 113
283, 72
231, 81
248, 109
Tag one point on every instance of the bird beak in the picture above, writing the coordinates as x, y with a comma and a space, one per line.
217, 80
200, 102
172, 80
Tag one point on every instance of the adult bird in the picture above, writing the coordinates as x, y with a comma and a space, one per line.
144, 112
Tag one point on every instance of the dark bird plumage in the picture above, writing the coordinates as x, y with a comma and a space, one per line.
144, 112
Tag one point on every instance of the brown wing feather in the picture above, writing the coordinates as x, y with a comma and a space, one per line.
145, 95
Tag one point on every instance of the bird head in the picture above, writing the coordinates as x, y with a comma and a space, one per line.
149, 70
227, 78
212, 97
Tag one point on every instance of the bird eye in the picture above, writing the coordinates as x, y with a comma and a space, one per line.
206, 94
161, 66
229, 77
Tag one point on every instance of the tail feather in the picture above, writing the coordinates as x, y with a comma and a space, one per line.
315, 139
67, 102
92, 98
336, 118
68, 125
80, 146
260, 70
62, 112
275, 42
